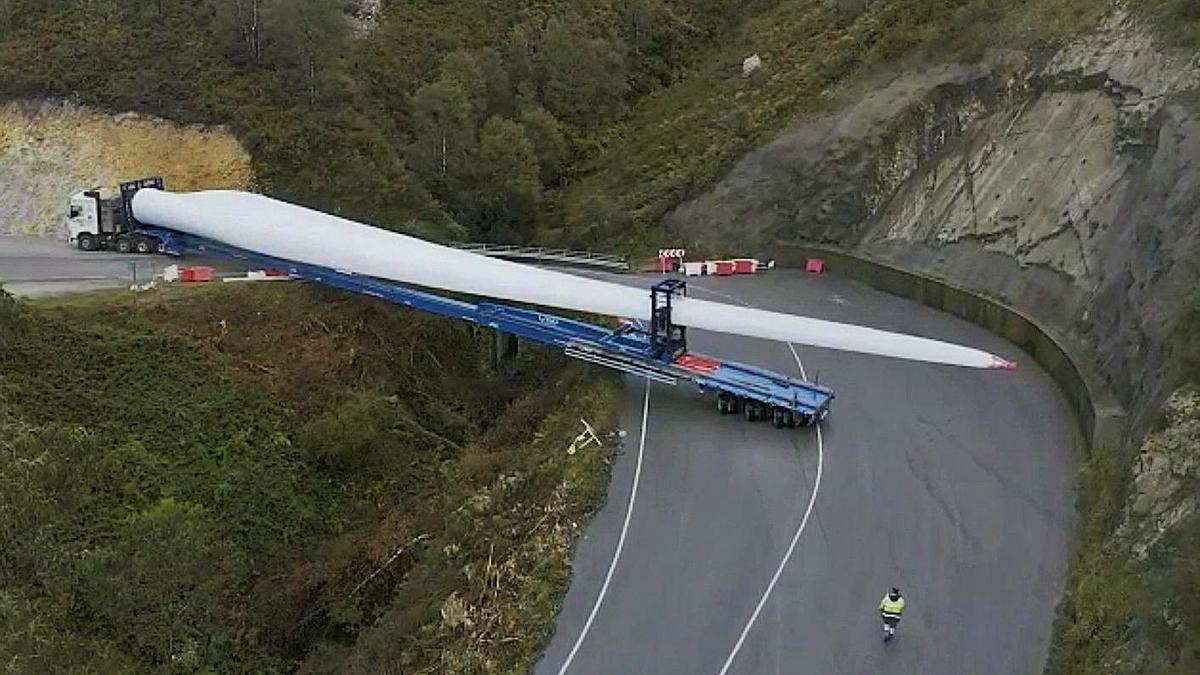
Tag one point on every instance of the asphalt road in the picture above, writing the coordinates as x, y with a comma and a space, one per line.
953, 484
33, 266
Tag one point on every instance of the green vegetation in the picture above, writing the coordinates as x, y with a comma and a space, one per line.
628, 106
406, 125
677, 141
1123, 612
1133, 598
260, 479
1185, 349
279, 490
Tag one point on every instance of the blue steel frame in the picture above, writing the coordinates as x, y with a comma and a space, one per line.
630, 348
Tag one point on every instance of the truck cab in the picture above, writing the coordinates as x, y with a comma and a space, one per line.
100, 219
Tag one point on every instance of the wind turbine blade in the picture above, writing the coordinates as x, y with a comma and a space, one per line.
271, 227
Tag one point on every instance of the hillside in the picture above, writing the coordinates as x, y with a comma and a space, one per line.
277, 478
1043, 152
1056, 172
48, 152
451, 119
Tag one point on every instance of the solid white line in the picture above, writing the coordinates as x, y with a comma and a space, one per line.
637, 475
791, 548
798, 362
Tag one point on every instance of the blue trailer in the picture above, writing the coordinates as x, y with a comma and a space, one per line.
657, 351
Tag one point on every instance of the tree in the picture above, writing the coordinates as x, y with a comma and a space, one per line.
462, 69
657, 38
241, 21
443, 123
500, 100
508, 191
583, 79
519, 56
549, 144
308, 42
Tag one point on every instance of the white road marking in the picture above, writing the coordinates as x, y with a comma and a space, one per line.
791, 547
782, 563
637, 475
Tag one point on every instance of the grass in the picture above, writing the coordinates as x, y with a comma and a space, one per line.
676, 142
278, 477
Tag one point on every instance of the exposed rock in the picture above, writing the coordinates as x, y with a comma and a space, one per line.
1067, 184
49, 150
1166, 475
364, 14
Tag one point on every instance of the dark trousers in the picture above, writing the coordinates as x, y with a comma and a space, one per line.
891, 620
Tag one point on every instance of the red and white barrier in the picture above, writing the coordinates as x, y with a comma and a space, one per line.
261, 275
667, 258
195, 274
725, 267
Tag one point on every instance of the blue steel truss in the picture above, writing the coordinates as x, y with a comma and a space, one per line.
630, 348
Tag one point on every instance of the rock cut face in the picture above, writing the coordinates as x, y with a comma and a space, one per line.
49, 151
1067, 185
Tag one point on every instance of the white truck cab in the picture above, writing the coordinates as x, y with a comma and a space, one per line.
83, 218
97, 219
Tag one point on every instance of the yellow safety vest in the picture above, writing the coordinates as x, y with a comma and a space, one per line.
891, 607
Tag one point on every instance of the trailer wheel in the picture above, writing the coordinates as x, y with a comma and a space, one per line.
725, 403
124, 245
87, 242
789, 418
753, 411
781, 417
143, 245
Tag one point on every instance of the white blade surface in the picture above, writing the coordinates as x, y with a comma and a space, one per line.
271, 227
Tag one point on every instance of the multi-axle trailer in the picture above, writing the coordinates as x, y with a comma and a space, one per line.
657, 351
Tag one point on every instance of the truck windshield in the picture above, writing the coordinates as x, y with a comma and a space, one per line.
76, 211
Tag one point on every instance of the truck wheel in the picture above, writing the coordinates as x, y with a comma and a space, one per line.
124, 245
777, 418
143, 245
87, 242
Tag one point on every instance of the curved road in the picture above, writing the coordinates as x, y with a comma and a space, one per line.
954, 484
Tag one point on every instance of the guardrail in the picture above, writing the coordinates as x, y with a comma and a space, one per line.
549, 255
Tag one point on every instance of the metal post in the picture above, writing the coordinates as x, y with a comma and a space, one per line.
505, 347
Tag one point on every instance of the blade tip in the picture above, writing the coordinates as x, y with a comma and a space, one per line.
1003, 364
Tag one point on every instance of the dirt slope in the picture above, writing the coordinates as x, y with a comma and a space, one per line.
48, 151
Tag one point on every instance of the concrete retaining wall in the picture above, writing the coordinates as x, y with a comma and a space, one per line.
1101, 418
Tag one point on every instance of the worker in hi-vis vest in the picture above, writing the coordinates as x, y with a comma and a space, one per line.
891, 608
